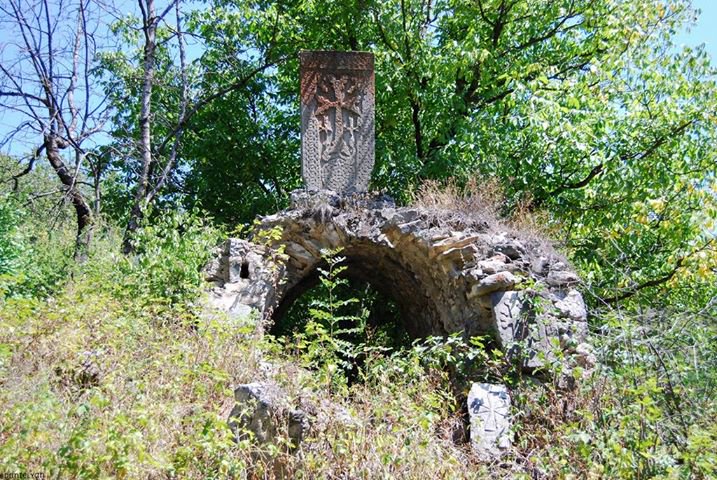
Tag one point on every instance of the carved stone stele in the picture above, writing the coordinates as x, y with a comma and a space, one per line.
337, 120
490, 420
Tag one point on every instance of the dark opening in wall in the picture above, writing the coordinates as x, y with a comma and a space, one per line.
364, 317
380, 324
392, 281
244, 272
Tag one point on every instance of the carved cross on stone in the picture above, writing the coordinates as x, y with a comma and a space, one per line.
490, 422
337, 120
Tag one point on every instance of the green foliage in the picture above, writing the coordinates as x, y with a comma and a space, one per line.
468, 360
170, 254
384, 325
10, 248
648, 411
583, 110
326, 342
101, 382
115, 392
33, 260
37, 233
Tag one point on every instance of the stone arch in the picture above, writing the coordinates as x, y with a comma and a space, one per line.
375, 263
447, 275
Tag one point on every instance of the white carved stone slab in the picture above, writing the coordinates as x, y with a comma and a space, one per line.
490, 420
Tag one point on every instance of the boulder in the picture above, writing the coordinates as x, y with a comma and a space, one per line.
263, 409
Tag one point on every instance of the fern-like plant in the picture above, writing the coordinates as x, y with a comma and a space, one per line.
326, 343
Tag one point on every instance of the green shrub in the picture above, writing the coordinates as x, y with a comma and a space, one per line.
35, 258
170, 254
93, 389
647, 411
331, 341
10, 247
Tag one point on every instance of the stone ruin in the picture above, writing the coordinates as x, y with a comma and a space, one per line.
445, 274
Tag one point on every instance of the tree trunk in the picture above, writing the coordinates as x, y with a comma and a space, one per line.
85, 220
149, 28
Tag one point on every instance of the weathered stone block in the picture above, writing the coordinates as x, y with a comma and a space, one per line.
490, 420
512, 249
337, 120
535, 335
495, 264
561, 278
492, 283
508, 317
572, 306
585, 356
261, 408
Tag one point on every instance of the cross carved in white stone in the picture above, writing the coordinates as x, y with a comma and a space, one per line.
490, 409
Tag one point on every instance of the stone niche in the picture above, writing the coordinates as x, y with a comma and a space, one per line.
445, 272
445, 275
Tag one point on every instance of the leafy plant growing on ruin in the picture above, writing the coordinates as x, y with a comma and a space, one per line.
326, 343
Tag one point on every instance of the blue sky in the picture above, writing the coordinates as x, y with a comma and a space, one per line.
705, 31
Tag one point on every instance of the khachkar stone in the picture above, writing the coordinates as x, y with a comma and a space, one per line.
337, 120
490, 421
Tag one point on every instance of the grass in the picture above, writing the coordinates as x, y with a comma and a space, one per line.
482, 205
92, 387
98, 386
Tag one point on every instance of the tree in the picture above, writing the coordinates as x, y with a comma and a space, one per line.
150, 139
45, 77
583, 108
143, 192
243, 156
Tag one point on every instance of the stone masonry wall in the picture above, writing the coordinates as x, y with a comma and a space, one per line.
444, 277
